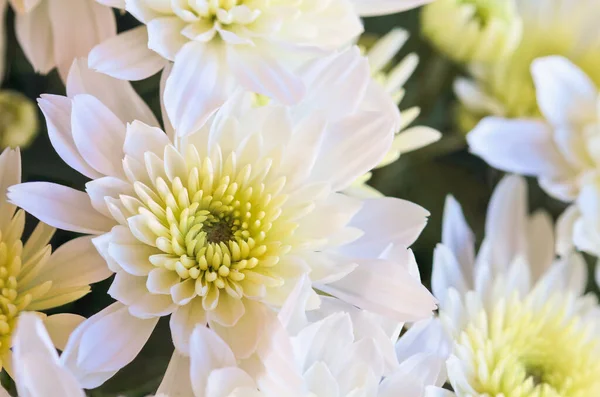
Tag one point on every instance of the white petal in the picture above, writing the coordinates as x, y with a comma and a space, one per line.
142, 138
127, 56
384, 221
540, 243
447, 273
76, 263
60, 206
119, 96
506, 221
207, 353
32, 31
321, 381
198, 84
565, 94
225, 382
521, 146
36, 366
427, 336
60, 326
243, 338
177, 381
164, 36
369, 8
261, 73
133, 258
98, 134
113, 340
386, 288
415, 138
340, 147
458, 237
564, 230
183, 322
229, 311
57, 111
105, 187
77, 28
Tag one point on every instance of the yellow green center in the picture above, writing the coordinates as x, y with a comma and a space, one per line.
522, 350
217, 225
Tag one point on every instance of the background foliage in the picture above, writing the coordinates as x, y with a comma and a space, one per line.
424, 177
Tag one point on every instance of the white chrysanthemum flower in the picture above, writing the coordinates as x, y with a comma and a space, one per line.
520, 322
473, 30
53, 34
32, 278
561, 148
337, 350
550, 27
218, 45
217, 226
392, 78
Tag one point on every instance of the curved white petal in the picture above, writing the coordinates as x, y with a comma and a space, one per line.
98, 134
106, 342
126, 56
60, 206
521, 146
198, 84
564, 93
34, 34
57, 111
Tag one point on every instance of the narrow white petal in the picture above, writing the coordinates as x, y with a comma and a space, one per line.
60, 206
98, 134
458, 238
32, 30
57, 111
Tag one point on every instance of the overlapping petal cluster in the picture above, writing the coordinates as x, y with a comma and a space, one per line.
218, 226
32, 278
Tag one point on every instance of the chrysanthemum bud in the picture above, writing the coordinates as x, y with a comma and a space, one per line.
18, 120
473, 30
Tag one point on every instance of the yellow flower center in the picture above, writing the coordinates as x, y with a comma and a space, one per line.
11, 301
217, 224
522, 350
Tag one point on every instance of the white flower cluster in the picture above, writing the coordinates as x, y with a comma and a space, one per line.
243, 216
